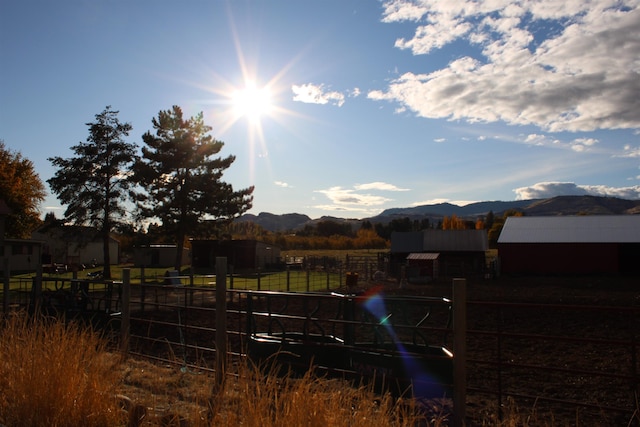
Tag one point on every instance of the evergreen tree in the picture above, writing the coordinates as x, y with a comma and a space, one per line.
93, 184
181, 179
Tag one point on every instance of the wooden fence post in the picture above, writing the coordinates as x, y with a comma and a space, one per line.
221, 322
459, 351
288, 279
126, 311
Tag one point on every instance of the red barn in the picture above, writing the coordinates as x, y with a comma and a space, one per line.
602, 244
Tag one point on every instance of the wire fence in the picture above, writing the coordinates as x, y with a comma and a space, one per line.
568, 361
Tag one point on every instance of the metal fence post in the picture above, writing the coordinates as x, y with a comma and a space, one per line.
126, 311
221, 322
459, 351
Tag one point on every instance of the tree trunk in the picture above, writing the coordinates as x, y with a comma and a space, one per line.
179, 249
106, 271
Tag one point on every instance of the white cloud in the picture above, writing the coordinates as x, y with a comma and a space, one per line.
379, 186
347, 199
282, 184
630, 152
581, 76
316, 94
543, 190
439, 140
359, 198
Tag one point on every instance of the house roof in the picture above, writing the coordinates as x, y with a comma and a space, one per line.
571, 229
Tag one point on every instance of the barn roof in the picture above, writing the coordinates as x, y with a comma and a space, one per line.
571, 229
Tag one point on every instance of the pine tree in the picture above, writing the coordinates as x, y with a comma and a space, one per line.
93, 184
180, 178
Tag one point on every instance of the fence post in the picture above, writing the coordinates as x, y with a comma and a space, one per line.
36, 290
288, 279
126, 311
308, 279
142, 289
6, 285
459, 351
221, 322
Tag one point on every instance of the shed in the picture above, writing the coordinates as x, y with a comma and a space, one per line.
241, 254
158, 256
599, 244
460, 252
422, 266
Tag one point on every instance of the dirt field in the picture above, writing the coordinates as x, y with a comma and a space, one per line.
578, 313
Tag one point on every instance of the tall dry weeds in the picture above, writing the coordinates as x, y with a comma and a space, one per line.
52, 374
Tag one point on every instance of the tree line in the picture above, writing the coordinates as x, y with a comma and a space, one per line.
174, 181
170, 190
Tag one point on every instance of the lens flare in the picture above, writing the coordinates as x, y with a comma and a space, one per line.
422, 382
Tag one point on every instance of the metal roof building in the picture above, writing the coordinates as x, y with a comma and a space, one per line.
570, 244
439, 241
456, 252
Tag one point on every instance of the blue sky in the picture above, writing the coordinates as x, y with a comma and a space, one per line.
372, 105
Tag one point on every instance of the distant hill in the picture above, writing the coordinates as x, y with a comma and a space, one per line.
448, 209
272, 222
560, 205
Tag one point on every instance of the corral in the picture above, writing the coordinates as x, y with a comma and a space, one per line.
563, 347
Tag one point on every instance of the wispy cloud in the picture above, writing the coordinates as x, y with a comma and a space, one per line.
559, 65
578, 144
282, 184
317, 94
383, 186
346, 196
630, 151
543, 190
359, 198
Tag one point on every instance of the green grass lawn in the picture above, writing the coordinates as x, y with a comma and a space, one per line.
294, 280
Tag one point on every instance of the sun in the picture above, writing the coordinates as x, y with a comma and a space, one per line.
252, 102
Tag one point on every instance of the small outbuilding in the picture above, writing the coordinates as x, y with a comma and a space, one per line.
439, 253
599, 244
241, 254
158, 256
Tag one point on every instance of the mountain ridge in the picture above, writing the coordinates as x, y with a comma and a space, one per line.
558, 205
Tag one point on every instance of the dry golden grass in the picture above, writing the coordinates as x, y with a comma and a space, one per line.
53, 374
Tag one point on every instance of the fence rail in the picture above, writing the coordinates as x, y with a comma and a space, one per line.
557, 358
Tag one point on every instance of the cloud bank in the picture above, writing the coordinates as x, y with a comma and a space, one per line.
562, 65
544, 190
